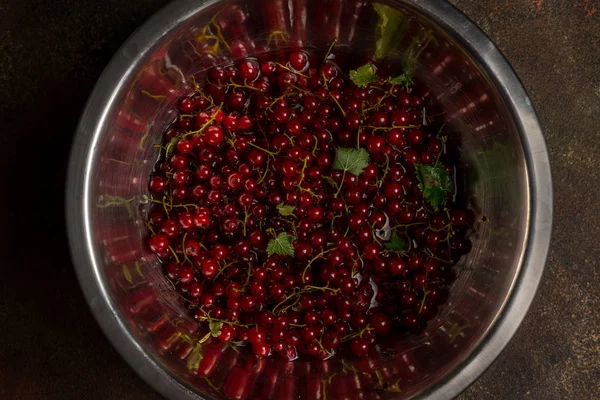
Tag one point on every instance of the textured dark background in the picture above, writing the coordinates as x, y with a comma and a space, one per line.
52, 52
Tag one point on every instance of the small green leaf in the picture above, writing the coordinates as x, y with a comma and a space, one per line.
171, 146
286, 210
396, 243
435, 183
127, 274
402, 80
281, 245
390, 29
215, 328
363, 75
193, 361
351, 160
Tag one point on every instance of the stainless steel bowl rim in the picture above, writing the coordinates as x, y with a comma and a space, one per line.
122, 65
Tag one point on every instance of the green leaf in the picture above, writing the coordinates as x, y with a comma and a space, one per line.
351, 160
363, 75
391, 27
215, 328
402, 80
281, 245
171, 146
396, 243
435, 183
127, 274
193, 361
286, 210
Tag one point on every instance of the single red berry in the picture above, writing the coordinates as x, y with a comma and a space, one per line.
261, 349
213, 135
227, 333
209, 267
256, 335
371, 251
158, 184
397, 266
360, 347
186, 105
249, 70
298, 61
159, 243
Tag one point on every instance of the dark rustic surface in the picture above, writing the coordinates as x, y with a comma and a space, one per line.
51, 53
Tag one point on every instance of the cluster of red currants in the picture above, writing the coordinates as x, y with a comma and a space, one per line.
289, 210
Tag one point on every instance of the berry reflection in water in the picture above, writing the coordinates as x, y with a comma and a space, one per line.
301, 208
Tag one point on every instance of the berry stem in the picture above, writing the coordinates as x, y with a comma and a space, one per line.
389, 128
341, 184
307, 190
174, 254
223, 321
249, 274
302, 172
323, 288
293, 294
291, 70
109, 201
264, 175
321, 254
203, 127
431, 255
356, 334
333, 43
212, 385
379, 103
224, 267
315, 147
282, 34
338, 104
185, 256
119, 161
157, 97
150, 228
385, 171
283, 96
205, 338
244, 86
219, 33
272, 154
325, 80
425, 293
171, 206
197, 88
245, 220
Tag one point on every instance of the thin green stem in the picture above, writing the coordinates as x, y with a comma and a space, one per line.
291, 70
341, 184
321, 254
185, 256
389, 128
272, 154
174, 254
323, 288
203, 127
244, 86
329, 49
338, 104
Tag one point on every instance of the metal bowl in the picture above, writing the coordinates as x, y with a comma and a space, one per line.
503, 155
